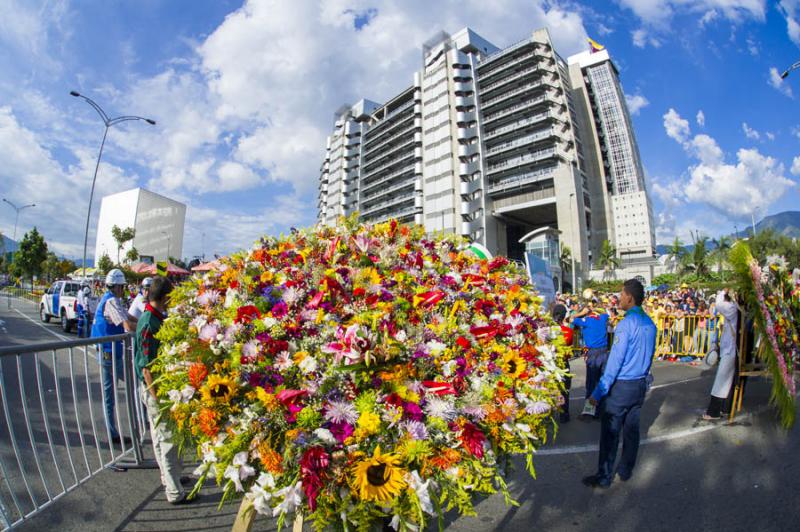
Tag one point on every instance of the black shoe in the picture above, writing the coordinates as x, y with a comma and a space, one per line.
187, 481
624, 477
596, 481
118, 440
563, 418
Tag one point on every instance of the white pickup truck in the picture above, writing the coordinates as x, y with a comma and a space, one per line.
60, 301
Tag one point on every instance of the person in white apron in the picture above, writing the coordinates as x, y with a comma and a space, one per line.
727, 355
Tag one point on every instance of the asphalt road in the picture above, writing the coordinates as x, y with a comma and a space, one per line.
691, 475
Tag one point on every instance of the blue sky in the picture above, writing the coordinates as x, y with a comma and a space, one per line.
244, 95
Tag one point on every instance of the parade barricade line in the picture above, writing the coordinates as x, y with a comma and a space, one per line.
51, 440
689, 335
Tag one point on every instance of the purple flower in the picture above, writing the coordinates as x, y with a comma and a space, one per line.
412, 411
341, 431
208, 332
279, 309
416, 429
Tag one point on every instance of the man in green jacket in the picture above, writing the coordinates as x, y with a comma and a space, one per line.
145, 352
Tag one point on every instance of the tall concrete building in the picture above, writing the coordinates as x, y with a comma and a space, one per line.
158, 222
490, 144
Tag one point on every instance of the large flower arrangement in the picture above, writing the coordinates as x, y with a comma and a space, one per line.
774, 298
360, 373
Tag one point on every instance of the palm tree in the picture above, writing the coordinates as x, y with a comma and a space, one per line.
697, 260
608, 259
723, 245
676, 252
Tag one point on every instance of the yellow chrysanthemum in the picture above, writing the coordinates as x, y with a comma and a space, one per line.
219, 388
379, 478
369, 423
513, 365
269, 400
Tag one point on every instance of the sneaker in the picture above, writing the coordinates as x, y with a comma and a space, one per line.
596, 481
588, 409
184, 499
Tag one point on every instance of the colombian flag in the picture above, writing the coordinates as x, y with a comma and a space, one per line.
594, 46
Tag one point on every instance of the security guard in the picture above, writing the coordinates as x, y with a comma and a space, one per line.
623, 386
111, 318
594, 329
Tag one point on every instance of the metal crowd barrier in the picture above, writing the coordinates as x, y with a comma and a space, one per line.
17, 293
54, 434
689, 335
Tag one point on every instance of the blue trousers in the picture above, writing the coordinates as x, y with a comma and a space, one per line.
620, 413
108, 390
595, 365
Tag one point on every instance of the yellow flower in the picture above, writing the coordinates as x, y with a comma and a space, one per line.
219, 388
267, 399
266, 276
379, 478
369, 423
513, 365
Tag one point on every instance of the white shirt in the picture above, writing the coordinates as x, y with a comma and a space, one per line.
137, 307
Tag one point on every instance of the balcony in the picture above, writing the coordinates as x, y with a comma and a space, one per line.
377, 207
460, 72
399, 215
468, 150
469, 207
470, 187
519, 124
463, 86
470, 227
522, 141
384, 156
521, 180
464, 101
374, 137
527, 158
465, 117
384, 191
483, 89
520, 107
467, 133
467, 169
510, 94
395, 138
369, 185
489, 73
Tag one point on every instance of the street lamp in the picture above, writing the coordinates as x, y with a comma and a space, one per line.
572, 237
169, 240
108, 122
16, 219
794, 66
203, 247
753, 219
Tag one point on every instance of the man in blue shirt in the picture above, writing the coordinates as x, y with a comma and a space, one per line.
594, 328
622, 388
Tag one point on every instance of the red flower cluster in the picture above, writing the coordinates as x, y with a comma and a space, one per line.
247, 313
313, 464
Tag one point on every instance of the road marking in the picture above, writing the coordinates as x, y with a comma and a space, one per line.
60, 337
655, 387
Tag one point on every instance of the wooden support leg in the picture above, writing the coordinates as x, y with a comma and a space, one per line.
245, 517
298, 523
736, 392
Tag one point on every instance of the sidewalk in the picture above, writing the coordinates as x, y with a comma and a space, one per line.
692, 475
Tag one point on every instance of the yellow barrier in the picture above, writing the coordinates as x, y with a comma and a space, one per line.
687, 335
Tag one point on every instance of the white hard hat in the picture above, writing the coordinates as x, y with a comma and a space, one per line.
147, 281
115, 277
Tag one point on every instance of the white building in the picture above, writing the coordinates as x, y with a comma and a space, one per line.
492, 144
158, 222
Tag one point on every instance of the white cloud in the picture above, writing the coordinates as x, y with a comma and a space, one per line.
779, 84
750, 133
602, 29
752, 46
676, 127
671, 194
700, 118
636, 103
769, 135
643, 37
795, 166
790, 9
659, 12
753, 183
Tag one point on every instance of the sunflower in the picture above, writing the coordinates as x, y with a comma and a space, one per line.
219, 388
379, 478
513, 365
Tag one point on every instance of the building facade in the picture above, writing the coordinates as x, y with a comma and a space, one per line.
489, 144
158, 221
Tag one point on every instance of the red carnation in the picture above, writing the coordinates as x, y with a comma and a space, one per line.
247, 313
472, 439
439, 388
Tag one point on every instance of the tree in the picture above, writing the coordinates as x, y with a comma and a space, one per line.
31, 252
697, 260
122, 237
676, 252
132, 255
723, 245
65, 267
177, 262
608, 259
50, 267
104, 265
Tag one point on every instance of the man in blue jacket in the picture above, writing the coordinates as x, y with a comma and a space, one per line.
112, 318
594, 329
622, 388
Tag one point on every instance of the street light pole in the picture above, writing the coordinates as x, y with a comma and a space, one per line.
572, 237
794, 66
753, 220
169, 241
203, 247
16, 219
108, 122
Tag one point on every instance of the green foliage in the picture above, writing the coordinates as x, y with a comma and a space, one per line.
666, 278
122, 237
30, 255
104, 265
132, 255
604, 286
607, 259
768, 242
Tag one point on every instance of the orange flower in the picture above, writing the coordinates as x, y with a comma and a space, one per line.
270, 458
197, 374
207, 422
446, 459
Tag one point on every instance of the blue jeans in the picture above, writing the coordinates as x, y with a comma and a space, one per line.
108, 390
595, 365
621, 409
